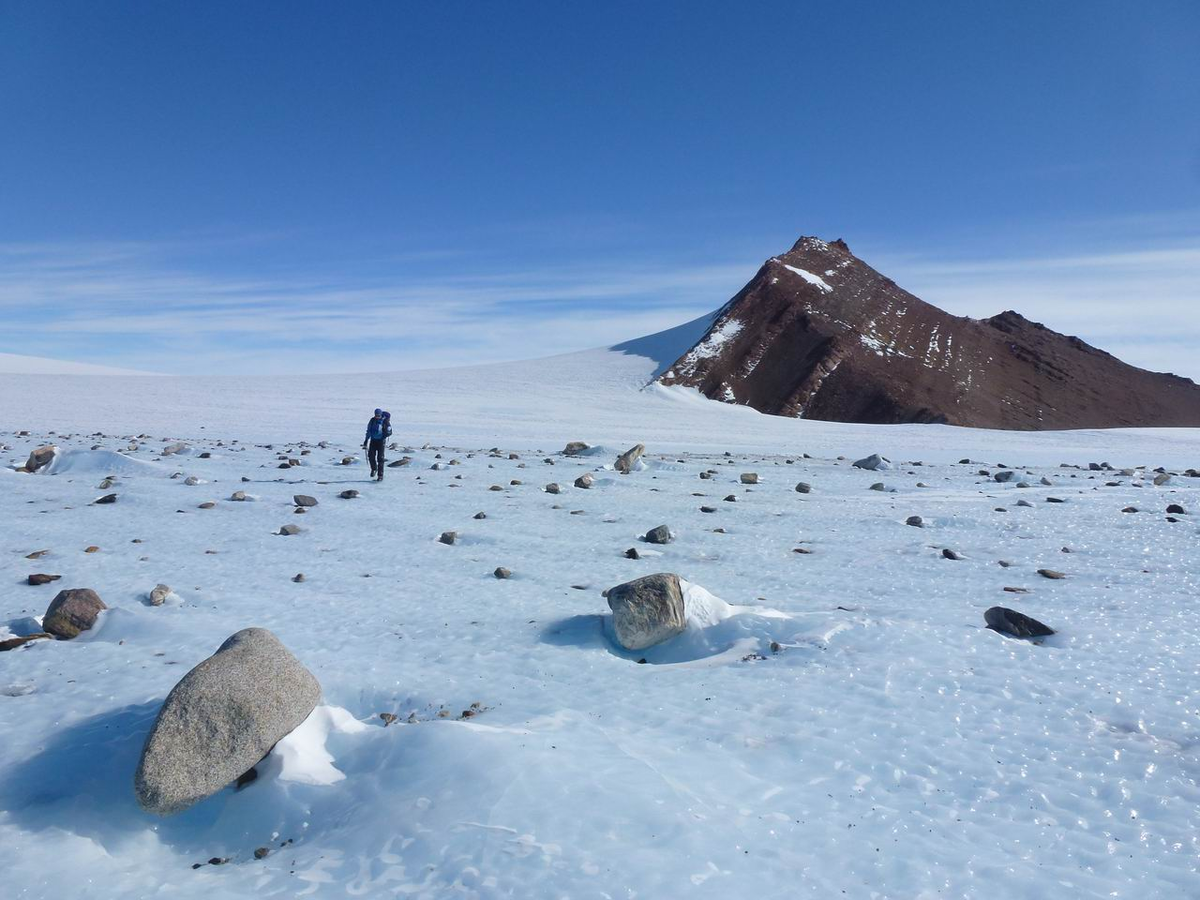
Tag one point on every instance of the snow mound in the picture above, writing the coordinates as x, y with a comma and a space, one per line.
303, 756
100, 462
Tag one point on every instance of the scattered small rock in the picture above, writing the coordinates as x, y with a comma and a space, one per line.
1011, 622
14, 643
873, 463
659, 535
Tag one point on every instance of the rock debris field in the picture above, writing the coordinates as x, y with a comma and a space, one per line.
857, 676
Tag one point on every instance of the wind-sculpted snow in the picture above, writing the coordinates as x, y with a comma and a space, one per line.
835, 721
100, 463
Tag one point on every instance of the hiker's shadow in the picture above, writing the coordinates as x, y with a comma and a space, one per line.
81, 782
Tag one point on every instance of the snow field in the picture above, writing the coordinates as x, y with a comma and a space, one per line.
890, 747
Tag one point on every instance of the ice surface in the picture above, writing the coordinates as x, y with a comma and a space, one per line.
13, 364
833, 723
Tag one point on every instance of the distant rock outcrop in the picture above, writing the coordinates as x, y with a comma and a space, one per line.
819, 334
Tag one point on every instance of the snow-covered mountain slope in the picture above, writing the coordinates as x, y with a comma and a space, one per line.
15, 364
600, 395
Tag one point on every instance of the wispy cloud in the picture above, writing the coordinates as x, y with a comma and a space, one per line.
166, 307
119, 300
1139, 304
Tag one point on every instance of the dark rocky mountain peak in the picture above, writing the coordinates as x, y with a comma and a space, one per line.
819, 334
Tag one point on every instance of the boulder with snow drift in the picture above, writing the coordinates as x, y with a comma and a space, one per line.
627, 460
40, 458
72, 611
647, 610
223, 717
873, 463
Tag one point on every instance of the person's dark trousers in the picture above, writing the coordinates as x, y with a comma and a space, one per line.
375, 456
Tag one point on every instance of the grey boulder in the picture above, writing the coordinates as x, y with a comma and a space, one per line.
659, 535
873, 463
647, 611
304, 500
574, 448
223, 717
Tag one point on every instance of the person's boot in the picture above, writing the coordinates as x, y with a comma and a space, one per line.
379, 477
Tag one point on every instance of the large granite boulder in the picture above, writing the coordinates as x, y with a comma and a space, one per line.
626, 461
72, 611
223, 717
647, 610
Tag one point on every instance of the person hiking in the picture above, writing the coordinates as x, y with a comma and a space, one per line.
379, 429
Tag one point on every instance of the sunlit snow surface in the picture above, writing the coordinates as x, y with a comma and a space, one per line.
888, 746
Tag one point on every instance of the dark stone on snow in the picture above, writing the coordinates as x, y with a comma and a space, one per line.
1010, 622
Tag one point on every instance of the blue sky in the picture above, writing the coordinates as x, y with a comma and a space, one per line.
298, 186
